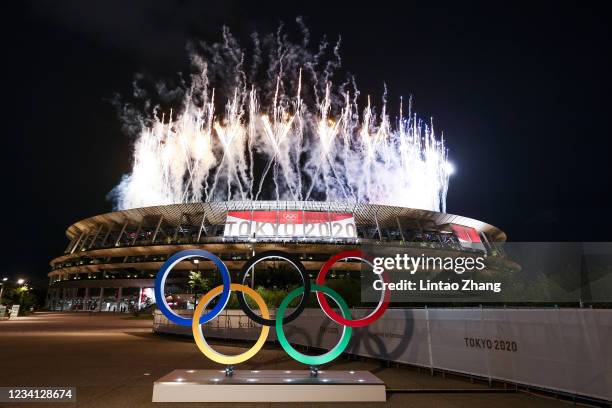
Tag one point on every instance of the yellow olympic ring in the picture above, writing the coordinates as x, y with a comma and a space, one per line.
205, 348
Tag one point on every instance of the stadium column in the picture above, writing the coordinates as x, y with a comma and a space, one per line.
137, 233
377, 225
161, 218
401, 231
486, 240
110, 229
47, 298
139, 298
67, 298
125, 224
56, 297
63, 299
118, 303
70, 244
77, 242
202, 226
100, 299
86, 300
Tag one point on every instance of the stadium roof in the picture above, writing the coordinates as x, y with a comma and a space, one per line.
216, 212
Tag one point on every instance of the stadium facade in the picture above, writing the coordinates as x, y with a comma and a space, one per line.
111, 259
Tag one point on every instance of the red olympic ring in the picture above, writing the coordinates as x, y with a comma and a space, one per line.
383, 304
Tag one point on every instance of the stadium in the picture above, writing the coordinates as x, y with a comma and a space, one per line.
111, 259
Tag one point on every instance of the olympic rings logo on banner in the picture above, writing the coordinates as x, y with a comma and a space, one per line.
199, 318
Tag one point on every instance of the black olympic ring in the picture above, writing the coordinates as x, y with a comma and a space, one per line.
305, 279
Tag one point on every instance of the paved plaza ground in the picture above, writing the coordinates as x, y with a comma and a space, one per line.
113, 360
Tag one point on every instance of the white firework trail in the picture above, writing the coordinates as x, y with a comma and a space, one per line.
282, 134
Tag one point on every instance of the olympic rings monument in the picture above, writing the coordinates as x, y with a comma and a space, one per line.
230, 385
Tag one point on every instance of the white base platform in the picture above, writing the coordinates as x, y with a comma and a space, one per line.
268, 386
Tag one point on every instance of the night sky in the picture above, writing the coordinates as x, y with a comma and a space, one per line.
522, 94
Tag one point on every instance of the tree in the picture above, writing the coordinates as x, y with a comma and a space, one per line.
198, 283
20, 296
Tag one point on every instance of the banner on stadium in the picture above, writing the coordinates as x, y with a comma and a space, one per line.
306, 224
468, 237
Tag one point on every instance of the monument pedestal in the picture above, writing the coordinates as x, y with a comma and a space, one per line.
268, 386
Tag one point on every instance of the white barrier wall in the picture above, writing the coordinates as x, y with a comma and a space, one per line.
568, 350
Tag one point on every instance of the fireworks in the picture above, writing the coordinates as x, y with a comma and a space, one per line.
280, 129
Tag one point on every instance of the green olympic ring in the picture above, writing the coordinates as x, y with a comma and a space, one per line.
331, 354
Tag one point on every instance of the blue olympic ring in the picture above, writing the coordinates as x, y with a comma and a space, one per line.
160, 282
